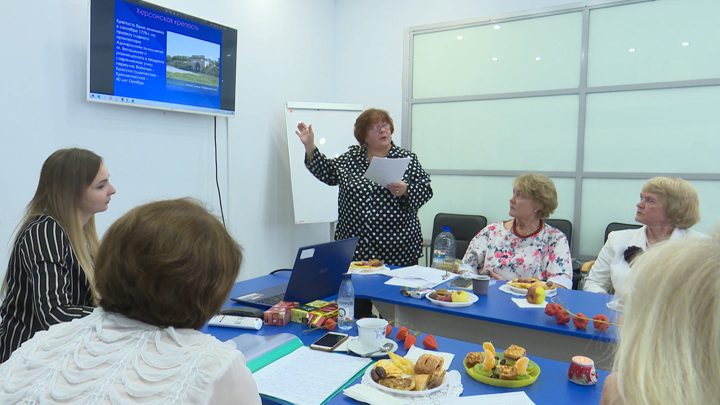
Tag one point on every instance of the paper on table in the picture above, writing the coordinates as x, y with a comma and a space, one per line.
290, 379
384, 171
509, 398
522, 303
426, 273
411, 283
416, 276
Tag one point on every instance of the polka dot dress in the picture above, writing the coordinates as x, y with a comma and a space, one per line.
388, 226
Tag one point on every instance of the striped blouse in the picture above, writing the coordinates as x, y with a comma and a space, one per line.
45, 284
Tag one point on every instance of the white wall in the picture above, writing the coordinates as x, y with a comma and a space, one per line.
344, 51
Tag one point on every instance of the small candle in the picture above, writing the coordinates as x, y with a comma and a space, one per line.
582, 361
582, 371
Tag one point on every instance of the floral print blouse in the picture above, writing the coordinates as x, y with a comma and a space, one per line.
545, 256
388, 226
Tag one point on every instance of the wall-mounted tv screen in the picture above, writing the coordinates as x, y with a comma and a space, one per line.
145, 55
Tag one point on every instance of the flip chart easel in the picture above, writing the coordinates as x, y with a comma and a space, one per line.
313, 200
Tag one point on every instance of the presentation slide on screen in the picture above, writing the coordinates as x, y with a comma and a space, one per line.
164, 58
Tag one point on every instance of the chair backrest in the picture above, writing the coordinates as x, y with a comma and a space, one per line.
617, 226
564, 226
464, 228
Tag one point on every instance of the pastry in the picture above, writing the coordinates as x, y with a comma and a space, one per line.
371, 264
391, 370
421, 381
525, 283
514, 352
431, 365
473, 358
507, 372
403, 384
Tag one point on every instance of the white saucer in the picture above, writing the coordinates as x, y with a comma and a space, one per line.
355, 347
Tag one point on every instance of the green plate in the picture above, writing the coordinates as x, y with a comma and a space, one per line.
532, 366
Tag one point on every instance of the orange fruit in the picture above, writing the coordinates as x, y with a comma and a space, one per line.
521, 365
489, 346
489, 361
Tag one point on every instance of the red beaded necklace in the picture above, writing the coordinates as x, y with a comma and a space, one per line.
531, 234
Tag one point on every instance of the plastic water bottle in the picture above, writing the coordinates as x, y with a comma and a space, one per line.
444, 250
346, 303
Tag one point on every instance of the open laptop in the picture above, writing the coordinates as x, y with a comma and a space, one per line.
316, 274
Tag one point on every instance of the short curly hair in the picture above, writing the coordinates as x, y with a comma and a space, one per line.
367, 119
167, 263
681, 201
540, 189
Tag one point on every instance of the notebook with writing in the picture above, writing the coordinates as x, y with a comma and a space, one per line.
316, 274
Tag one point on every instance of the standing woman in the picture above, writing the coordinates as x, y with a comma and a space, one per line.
50, 275
384, 217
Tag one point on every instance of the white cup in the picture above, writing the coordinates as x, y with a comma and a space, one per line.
371, 332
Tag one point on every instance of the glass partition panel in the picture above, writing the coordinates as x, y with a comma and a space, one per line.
615, 200
534, 54
657, 41
605, 201
484, 195
672, 130
538, 133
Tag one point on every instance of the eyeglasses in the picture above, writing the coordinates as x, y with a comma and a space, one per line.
385, 126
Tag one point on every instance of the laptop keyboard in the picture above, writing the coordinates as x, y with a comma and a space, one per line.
272, 299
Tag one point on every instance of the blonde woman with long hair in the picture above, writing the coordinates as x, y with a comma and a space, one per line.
669, 345
49, 277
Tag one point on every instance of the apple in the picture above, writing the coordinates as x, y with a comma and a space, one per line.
459, 296
535, 294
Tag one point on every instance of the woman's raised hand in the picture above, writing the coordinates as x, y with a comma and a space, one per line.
306, 134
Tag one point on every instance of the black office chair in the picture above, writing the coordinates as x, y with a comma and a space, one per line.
463, 227
618, 226
565, 227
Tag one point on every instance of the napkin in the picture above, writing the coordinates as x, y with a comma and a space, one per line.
522, 303
415, 352
364, 393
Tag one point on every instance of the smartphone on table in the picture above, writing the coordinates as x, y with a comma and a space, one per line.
329, 341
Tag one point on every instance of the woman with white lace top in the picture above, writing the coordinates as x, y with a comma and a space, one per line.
162, 270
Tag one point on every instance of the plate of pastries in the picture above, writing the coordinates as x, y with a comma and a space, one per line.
367, 267
509, 369
521, 285
399, 375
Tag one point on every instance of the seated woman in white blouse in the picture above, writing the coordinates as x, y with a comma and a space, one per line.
668, 207
162, 270
524, 246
